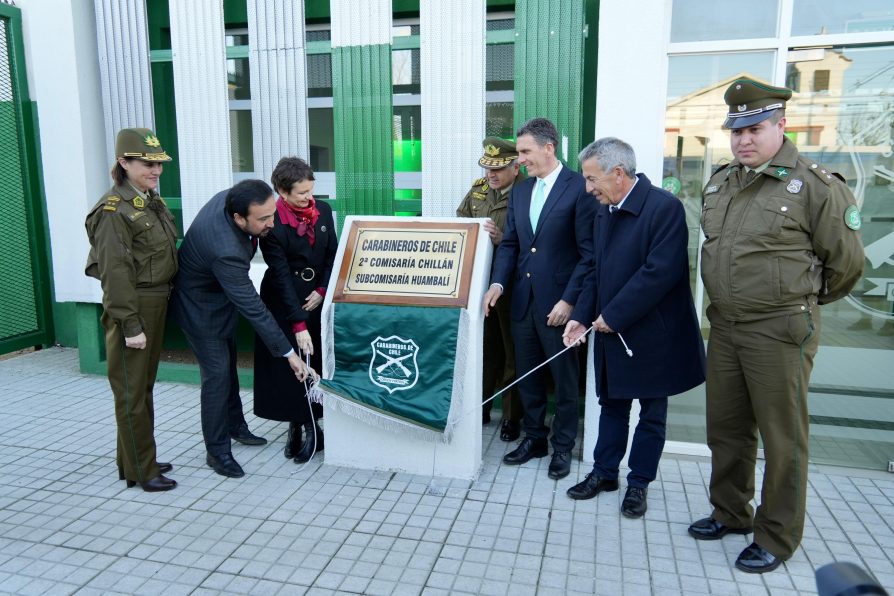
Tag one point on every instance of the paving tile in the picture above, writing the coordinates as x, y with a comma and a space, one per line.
68, 525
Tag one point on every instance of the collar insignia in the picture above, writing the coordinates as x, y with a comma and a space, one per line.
782, 172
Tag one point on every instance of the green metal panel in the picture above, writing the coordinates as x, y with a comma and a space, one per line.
364, 155
25, 318
549, 67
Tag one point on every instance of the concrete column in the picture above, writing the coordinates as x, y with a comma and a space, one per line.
278, 67
126, 81
203, 119
453, 104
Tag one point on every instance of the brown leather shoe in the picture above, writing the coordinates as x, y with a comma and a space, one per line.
154, 485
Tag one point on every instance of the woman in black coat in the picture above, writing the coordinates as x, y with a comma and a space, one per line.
299, 252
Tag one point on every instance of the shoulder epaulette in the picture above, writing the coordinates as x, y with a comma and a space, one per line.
719, 168
479, 182
824, 174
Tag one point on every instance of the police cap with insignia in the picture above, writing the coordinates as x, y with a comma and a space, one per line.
751, 102
498, 153
139, 143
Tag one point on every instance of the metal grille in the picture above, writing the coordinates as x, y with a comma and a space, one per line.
18, 303
552, 32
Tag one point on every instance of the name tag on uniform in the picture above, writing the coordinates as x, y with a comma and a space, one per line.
712, 189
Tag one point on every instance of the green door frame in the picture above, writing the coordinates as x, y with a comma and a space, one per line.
35, 211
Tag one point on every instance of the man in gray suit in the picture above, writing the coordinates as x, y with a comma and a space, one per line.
212, 287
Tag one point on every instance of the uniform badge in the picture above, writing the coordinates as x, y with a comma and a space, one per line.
485, 188
852, 218
393, 364
109, 208
712, 189
138, 202
782, 173
794, 186
492, 151
743, 107
136, 215
152, 141
322, 228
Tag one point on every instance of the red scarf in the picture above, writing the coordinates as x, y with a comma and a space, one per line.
303, 219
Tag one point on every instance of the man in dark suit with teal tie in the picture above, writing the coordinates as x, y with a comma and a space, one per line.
547, 243
210, 291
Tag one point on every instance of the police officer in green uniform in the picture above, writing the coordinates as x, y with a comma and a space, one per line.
489, 197
134, 255
782, 238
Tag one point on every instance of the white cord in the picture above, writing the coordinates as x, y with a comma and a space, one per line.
307, 390
626, 349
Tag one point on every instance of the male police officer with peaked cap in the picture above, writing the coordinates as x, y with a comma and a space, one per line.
489, 197
782, 238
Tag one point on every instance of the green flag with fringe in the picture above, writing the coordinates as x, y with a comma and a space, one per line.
394, 366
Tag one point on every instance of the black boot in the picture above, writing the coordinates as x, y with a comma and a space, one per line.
313, 442
293, 441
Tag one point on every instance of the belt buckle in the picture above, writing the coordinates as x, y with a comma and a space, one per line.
313, 274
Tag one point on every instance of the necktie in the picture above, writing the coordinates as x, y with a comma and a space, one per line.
612, 208
749, 176
537, 203
254, 244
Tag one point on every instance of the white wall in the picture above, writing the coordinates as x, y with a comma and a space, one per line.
631, 82
63, 78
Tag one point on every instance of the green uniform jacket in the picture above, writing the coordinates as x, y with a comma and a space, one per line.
133, 250
781, 243
484, 201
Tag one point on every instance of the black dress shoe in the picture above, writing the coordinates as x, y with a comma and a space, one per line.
225, 465
559, 465
591, 486
509, 430
293, 441
634, 503
526, 450
757, 559
244, 436
711, 529
313, 442
164, 467
157, 484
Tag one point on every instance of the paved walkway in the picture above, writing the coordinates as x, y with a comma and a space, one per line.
67, 525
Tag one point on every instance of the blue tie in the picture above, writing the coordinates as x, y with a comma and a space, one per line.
537, 203
612, 208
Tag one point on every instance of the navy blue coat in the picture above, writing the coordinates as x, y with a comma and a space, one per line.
552, 261
638, 279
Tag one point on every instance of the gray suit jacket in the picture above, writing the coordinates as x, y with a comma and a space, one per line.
212, 285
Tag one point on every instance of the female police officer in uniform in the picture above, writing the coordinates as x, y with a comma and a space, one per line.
134, 255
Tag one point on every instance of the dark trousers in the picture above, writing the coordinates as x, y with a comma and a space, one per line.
499, 360
221, 404
757, 380
535, 341
648, 439
132, 378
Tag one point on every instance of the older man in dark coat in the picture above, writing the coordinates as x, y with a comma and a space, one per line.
648, 344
